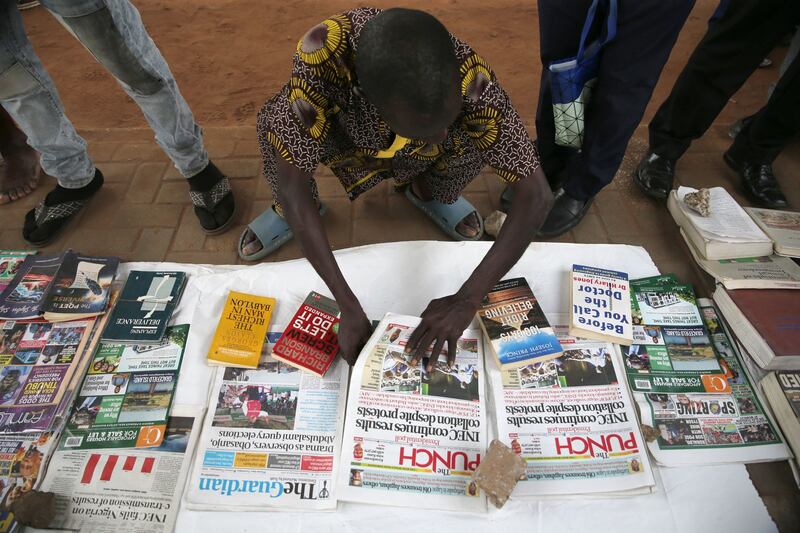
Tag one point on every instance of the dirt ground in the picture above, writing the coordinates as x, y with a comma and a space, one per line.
230, 55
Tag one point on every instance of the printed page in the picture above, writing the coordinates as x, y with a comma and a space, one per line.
271, 438
125, 490
413, 438
728, 222
573, 422
24, 458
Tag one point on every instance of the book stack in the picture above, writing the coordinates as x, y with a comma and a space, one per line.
782, 392
741, 248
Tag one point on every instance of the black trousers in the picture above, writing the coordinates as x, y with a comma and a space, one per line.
629, 69
737, 40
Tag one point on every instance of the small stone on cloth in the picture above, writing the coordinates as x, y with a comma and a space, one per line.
700, 201
35, 509
494, 222
498, 473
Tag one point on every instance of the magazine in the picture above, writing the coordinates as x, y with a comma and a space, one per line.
26, 292
24, 459
691, 387
271, 438
38, 361
573, 422
412, 437
126, 394
125, 491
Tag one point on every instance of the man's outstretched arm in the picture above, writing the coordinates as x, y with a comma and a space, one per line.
445, 319
302, 214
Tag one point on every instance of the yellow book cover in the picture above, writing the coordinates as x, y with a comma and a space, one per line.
241, 330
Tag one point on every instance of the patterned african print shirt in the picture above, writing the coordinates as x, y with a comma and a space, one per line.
321, 116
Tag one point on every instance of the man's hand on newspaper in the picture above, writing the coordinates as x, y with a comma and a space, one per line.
354, 332
444, 320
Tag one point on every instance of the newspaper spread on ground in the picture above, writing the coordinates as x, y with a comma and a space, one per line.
573, 421
691, 386
271, 438
132, 490
23, 459
412, 437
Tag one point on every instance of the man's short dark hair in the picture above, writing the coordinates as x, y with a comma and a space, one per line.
406, 58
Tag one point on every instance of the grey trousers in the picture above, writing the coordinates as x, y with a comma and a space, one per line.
113, 32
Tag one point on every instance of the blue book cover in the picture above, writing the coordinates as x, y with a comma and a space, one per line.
516, 326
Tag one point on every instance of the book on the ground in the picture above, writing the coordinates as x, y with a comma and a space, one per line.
782, 391
783, 227
766, 322
727, 233
125, 397
80, 288
145, 307
10, 261
241, 330
25, 294
310, 341
600, 305
765, 272
68, 286
515, 325
39, 361
133, 490
271, 439
573, 422
421, 433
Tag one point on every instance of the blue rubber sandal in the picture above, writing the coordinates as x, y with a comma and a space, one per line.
272, 230
447, 216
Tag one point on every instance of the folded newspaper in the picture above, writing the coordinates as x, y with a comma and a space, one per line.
271, 438
572, 420
133, 490
413, 438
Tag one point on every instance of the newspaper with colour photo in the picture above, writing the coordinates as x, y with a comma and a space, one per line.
271, 438
413, 438
129, 490
572, 420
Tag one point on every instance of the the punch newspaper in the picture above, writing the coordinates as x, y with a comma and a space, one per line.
271, 438
414, 437
572, 420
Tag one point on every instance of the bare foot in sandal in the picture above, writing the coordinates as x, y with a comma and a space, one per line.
469, 226
250, 243
19, 170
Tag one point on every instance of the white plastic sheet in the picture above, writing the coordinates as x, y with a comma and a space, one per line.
403, 278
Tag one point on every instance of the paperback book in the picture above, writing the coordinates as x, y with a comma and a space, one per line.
145, 307
783, 227
126, 394
60, 287
515, 325
782, 390
600, 305
310, 340
241, 330
10, 261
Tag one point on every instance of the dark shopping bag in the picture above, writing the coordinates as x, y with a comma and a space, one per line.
572, 79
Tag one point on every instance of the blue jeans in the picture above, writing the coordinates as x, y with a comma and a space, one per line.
113, 32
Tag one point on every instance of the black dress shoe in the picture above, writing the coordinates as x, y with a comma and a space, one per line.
555, 180
654, 175
565, 215
758, 182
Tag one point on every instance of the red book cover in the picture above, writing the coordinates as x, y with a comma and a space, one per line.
310, 341
775, 313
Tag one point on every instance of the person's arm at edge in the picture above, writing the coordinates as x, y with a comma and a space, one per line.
303, 216
445, 319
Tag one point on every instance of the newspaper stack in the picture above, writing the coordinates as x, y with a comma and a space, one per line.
689, 382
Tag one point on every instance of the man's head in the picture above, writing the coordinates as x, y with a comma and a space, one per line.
407, 67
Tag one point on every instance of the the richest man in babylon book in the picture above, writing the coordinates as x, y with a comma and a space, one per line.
515, 325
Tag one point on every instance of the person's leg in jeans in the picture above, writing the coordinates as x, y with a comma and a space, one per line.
764, 136
629, 69
114, 33
738, 38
